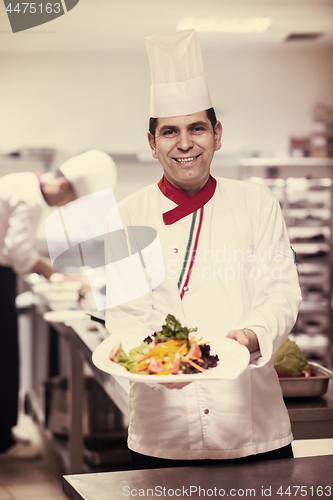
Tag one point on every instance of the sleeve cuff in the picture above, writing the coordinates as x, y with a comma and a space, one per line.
261, 357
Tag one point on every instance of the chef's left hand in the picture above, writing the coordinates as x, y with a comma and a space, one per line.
177, 385
245, 337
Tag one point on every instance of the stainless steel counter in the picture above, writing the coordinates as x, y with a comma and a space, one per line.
290, 478
312, 418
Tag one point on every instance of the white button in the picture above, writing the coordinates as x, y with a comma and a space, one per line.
186, 288
175, 250
206, 411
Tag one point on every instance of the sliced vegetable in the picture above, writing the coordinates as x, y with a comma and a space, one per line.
306, 373
130, 360
116, 350
176, 364
155, 366
170, 351
195, 351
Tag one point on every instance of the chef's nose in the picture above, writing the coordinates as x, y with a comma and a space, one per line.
185, 140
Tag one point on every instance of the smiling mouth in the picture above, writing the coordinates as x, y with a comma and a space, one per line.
186, 160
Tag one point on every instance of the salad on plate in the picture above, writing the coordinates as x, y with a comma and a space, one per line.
173, 350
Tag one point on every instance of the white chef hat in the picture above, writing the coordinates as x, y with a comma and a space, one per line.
90, 172
178, 83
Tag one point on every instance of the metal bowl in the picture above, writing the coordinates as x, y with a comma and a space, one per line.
307, 387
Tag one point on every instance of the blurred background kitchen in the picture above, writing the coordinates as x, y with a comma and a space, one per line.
82, 82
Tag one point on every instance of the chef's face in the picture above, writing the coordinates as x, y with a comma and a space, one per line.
185, 146
66, 196
61, 193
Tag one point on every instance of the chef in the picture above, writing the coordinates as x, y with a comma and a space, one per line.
228, 270
23, 197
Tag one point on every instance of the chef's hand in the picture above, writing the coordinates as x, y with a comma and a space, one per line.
170, 385
176, 385
245, 337
44, 267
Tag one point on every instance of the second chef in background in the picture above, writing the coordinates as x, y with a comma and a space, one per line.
23, 197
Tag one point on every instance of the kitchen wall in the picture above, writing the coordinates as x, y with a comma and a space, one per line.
80, 101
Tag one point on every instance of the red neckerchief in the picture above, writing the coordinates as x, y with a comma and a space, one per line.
187, 204
37, 174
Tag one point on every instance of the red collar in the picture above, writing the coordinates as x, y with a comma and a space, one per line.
40, 183
37, 174
187, 204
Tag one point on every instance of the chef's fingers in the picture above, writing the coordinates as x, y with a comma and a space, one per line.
178, 385
240, 336
245, 337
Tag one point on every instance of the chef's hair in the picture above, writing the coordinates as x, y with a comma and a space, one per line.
210, 115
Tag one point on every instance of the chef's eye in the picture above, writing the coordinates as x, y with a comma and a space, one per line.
168, 132
198, 129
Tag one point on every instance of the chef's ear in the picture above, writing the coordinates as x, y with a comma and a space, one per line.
151, 140
218, 135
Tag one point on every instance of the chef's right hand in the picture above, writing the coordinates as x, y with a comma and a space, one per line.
245, 337
44, 267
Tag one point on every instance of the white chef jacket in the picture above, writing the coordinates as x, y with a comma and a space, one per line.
21, 206
243, 275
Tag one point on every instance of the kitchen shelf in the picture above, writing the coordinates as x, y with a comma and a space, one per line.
304, 189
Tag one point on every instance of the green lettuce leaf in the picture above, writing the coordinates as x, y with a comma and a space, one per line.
129, 361
174, 330
289, 359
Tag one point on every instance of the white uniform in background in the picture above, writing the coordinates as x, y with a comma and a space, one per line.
21, 206
243, 275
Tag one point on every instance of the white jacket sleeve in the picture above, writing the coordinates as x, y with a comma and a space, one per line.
20, 238
277, 295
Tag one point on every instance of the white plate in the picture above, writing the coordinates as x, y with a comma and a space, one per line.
42, 287
234, 358
64, 316
61, 296
66, 286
